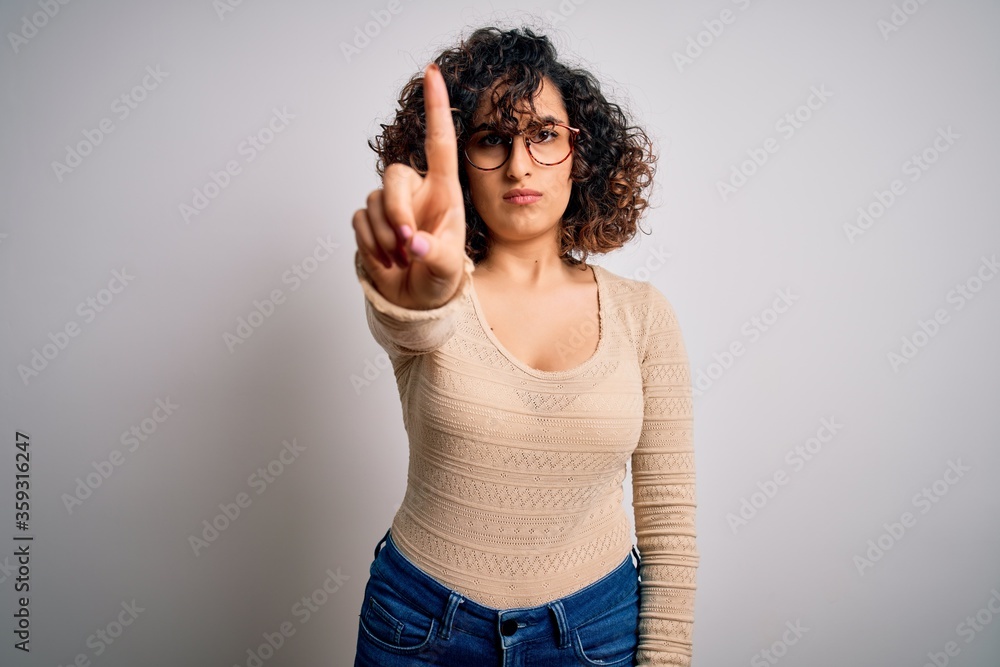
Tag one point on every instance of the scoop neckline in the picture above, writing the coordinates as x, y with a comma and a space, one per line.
537, 372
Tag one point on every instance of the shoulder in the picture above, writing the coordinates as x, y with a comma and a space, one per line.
643, 310
638, 298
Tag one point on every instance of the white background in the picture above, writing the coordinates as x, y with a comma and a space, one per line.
162, 336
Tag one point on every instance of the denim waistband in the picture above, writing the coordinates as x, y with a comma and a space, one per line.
453, 609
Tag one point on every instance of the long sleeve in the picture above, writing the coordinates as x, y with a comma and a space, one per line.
403, 332
663, 494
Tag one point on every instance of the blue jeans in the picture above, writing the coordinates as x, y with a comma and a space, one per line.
410, 618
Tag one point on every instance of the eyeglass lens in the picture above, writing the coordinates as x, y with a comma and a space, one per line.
488, 149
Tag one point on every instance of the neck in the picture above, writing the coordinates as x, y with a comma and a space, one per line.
525, 267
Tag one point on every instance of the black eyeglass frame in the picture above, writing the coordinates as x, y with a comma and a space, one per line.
574, 132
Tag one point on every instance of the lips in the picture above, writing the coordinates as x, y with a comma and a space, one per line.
522, 196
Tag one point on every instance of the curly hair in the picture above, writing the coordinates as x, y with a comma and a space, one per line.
613, 160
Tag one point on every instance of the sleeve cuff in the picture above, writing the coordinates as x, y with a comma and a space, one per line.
399, 313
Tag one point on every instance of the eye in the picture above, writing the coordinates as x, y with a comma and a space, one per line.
544, 135
491, 139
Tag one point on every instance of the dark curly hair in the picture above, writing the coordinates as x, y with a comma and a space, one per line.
613, 160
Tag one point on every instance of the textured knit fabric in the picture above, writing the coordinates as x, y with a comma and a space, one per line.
515, 481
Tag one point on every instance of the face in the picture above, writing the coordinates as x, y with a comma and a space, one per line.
509, 217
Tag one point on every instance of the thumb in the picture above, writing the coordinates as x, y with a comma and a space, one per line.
421, 246
432, 252
441, 253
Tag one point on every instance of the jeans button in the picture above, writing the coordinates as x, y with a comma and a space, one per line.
508, 627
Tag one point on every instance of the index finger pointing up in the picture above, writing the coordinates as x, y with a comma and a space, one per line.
441, 144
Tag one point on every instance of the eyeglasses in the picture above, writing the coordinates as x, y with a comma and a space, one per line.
547, 145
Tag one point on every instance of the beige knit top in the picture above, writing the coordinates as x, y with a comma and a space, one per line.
514, 487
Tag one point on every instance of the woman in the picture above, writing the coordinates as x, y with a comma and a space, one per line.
527, 377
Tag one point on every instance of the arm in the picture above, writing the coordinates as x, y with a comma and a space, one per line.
663, 494
406, 332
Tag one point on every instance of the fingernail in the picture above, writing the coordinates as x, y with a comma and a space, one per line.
419, 246
405, 231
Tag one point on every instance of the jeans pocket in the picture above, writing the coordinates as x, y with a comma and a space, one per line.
612, 638
394, 624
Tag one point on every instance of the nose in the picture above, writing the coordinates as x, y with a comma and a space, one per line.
520, 162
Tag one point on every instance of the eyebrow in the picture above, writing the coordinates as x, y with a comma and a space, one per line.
544, 119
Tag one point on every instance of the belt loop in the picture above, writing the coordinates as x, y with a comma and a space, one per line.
562, 625
378, 547
449, 614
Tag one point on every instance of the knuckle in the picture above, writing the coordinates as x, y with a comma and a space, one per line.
359, 218
396, 170
398, 208
393, 208
437, 135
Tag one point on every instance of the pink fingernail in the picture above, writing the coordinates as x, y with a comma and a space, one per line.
406, 231
419, 246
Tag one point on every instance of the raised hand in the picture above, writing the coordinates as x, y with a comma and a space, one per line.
411, 236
